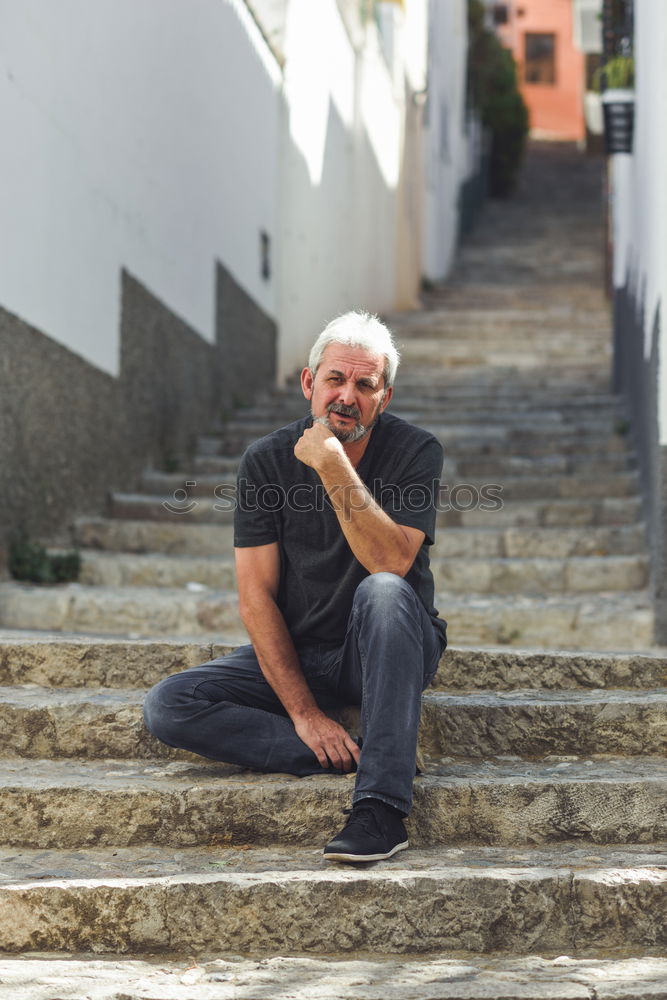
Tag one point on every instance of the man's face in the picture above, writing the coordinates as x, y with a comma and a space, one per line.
347, 392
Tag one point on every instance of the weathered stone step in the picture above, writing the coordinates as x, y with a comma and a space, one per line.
431, 352
608, 621
213, 473
175, 537
540, 576
266, 901
543, 514
465, 575
297, 978
597, 412
210, 540
535, 723
462, 441
611, 621
129, 611
63, 661
492, 541
549, 466
531, 513
119, 803
88, 723
109, 569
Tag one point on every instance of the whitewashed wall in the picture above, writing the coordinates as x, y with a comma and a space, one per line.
447, 152
135, 134
640, 191
340, 169
160, 136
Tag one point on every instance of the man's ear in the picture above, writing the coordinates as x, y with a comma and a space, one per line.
307, 382
387, 396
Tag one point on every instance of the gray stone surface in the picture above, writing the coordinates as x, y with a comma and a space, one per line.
121, 803
93, 723
55, 660
477, 901
232, 977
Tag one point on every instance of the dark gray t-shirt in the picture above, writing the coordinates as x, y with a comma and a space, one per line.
279, 499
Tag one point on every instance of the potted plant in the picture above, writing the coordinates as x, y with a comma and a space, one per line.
616, 81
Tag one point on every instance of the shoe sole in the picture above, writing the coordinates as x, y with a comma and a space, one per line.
360, 858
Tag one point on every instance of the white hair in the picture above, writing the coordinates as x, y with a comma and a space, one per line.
358, 329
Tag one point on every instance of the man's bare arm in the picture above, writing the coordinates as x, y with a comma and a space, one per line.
378, 542
258, 573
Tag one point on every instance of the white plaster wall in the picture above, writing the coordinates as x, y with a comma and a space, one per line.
340, 160
641, 195
447, 151
136, 134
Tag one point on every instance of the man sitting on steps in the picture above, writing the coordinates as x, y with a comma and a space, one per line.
335, 513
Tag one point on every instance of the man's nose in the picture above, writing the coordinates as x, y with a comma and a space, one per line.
346, 394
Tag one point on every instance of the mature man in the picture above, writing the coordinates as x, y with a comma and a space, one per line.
335, 513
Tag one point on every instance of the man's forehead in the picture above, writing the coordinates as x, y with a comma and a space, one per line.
341, 357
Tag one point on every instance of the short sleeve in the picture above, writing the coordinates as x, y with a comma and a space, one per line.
254, 520
411, 498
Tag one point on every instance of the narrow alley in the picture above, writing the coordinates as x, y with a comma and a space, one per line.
539, 821
509, 366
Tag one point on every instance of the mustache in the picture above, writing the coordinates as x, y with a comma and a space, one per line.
344, 410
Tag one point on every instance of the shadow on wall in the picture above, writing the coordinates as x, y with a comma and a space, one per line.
636, 377
70, 433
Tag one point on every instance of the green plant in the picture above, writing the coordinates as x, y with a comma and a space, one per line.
31, 563
616, 74
493, 89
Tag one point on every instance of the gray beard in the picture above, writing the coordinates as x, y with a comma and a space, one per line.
355, 433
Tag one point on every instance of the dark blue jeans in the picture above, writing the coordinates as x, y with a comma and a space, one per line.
226, 710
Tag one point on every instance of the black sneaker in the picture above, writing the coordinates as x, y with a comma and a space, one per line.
373, 832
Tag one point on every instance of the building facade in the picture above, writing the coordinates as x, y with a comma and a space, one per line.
549, 46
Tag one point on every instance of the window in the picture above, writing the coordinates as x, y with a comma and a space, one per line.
540, 58
500, 13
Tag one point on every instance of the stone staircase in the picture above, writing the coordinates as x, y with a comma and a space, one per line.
537, 861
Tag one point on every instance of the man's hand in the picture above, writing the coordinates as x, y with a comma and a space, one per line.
316, 444
332, 745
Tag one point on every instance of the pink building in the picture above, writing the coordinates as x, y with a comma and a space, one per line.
551, 69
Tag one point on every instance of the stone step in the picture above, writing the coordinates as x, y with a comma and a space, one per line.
214, 473
432, 352
55, 660
458, 575
232, 977
542, 514
264, 901
541, 576
209, 540
39, 723
463, 441
531, 513
478, 404
549, 466
172, 509
610, 620
496, 540
128, 611
68, 804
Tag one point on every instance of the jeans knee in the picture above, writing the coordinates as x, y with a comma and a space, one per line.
381, 584
383, 590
